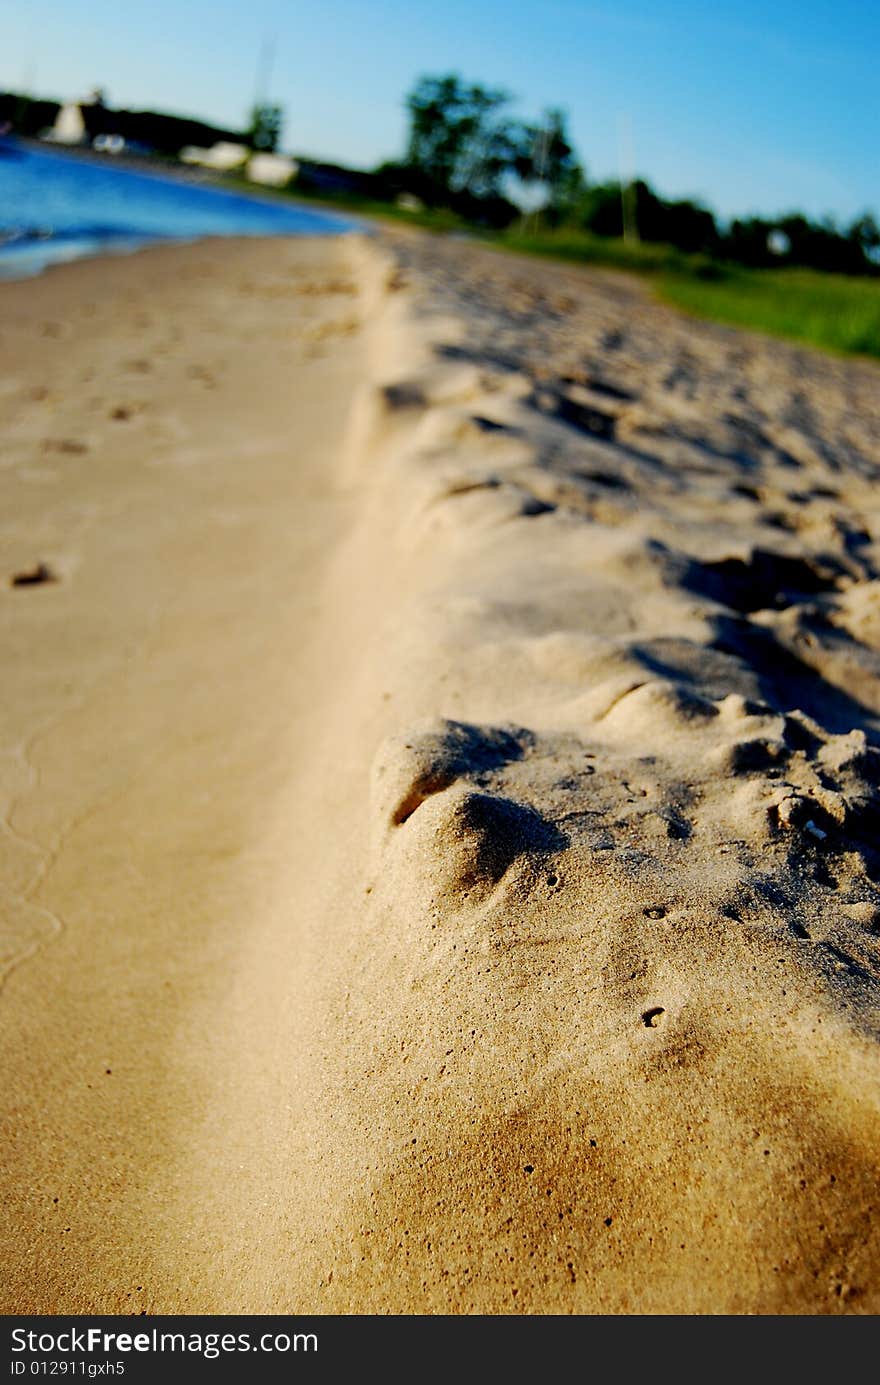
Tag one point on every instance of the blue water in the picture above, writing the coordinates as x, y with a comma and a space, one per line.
56, 207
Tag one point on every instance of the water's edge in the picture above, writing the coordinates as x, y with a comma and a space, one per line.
62, 205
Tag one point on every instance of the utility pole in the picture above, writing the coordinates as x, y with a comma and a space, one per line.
625, 160
540, 156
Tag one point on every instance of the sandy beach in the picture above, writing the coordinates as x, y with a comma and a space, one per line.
441, 771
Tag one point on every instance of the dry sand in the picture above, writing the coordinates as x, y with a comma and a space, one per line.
440, 793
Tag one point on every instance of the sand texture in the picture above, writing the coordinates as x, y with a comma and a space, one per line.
440, 793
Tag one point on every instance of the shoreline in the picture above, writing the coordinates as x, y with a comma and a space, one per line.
440, 791
331, 222
176, 474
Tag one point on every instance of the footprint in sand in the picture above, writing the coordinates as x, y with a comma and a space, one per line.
762, 581
438, 779
35, 576
71, 447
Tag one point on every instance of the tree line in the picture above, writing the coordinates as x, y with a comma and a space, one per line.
465, 152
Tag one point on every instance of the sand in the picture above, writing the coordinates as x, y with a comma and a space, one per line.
440, 793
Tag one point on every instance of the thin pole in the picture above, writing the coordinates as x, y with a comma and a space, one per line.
626, 163
541, 150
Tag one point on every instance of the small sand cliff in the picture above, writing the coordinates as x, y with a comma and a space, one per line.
444, 862
612, 1046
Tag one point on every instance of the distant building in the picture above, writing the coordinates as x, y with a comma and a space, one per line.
224, 156
78, 121
272, 170
70, 125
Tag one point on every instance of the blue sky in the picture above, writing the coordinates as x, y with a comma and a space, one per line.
750, 106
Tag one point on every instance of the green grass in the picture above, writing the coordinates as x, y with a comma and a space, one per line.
579, 247
833, 311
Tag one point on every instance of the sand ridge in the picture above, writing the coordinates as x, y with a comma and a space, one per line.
612, 1046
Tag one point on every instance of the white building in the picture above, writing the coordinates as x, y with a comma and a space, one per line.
70, 125
272, 170
223, 156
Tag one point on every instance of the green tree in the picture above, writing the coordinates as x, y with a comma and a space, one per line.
266, 124
459, 141
866, 234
